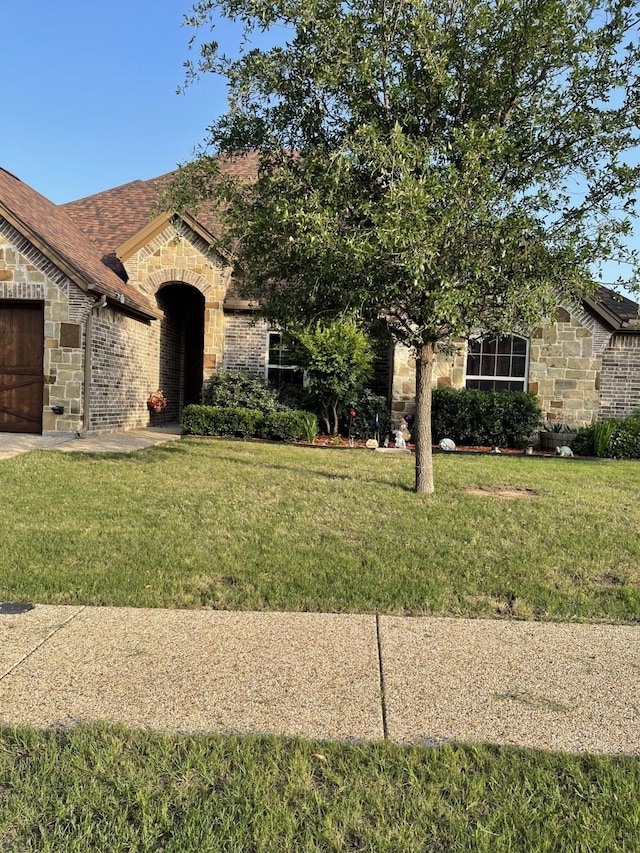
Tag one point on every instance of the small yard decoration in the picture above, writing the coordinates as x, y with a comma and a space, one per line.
157, 402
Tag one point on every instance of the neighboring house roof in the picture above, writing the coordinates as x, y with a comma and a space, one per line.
617, 311
54, 233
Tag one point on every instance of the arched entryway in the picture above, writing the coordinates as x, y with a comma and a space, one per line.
181, 347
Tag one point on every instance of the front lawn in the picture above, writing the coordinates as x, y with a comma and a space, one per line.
237, 525
104, 788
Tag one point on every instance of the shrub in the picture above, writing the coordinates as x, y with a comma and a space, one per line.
613, 438
336, 359
624, 442
584, 442
289, 426
218, 420
367, 406
232, 389
472, 417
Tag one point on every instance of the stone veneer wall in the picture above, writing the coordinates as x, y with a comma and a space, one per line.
565, 367
26, 274
178, 255
620, 390
245, 343
449, 371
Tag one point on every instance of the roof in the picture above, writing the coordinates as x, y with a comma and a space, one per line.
617, 311
51, 230
113, 217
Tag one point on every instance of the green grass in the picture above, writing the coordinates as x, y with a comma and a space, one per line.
107, 789
238, 525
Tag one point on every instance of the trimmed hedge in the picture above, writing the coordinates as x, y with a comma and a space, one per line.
484, 418
218, 420
286, 426
244, 423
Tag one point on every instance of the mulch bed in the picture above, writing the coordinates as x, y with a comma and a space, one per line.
340, 442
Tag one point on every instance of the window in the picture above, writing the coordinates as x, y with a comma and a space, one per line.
498, 365
280, 368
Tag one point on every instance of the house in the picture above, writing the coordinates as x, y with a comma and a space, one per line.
102, 301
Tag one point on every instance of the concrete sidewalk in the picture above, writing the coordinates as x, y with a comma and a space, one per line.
125, 441
554, 686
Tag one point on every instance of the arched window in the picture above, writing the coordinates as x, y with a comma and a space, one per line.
499, 364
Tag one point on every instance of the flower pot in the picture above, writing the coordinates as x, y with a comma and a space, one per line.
549, 441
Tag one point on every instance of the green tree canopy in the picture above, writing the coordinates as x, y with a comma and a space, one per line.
450, 165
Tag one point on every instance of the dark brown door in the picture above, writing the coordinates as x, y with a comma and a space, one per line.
21, 353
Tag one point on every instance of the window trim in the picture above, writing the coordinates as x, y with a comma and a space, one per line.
481, 377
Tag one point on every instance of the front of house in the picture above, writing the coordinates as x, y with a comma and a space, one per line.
102, 303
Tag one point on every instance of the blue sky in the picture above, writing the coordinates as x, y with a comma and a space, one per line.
90, 102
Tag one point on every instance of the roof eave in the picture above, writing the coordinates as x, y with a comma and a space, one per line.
60, 261
604, 313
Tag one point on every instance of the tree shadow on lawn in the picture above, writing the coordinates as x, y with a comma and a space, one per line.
158, 454
141, 456
328, 475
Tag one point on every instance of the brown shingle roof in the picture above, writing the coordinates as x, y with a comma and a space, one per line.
113, 217
616, 310
55, 234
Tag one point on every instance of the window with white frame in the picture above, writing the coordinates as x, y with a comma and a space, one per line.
499, 364
280, 367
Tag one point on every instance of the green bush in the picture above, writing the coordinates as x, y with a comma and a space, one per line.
584, 442
288, 426
614, 438
472, 417
232, 389
367, 406
217, 420
624, 442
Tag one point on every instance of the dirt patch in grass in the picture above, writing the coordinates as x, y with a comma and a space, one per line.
507, 492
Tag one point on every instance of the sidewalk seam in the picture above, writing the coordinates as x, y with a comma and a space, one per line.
383, 700
41, 643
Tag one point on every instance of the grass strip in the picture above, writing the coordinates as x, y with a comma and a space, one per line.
105, 788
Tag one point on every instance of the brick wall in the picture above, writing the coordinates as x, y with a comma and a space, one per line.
179, 255
245, 343
565, 367
125, 368
620, 391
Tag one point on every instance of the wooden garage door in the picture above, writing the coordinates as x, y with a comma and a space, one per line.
21, 353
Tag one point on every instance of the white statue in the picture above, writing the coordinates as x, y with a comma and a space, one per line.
400, 442
565, 451
447, 444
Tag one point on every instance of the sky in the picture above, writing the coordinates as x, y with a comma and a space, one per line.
89, 100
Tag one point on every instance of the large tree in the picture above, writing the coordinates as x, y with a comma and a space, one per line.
454, 166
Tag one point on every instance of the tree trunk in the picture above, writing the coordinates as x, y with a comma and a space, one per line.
424, 457
325, 417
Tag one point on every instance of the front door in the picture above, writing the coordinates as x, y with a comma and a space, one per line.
21, 354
